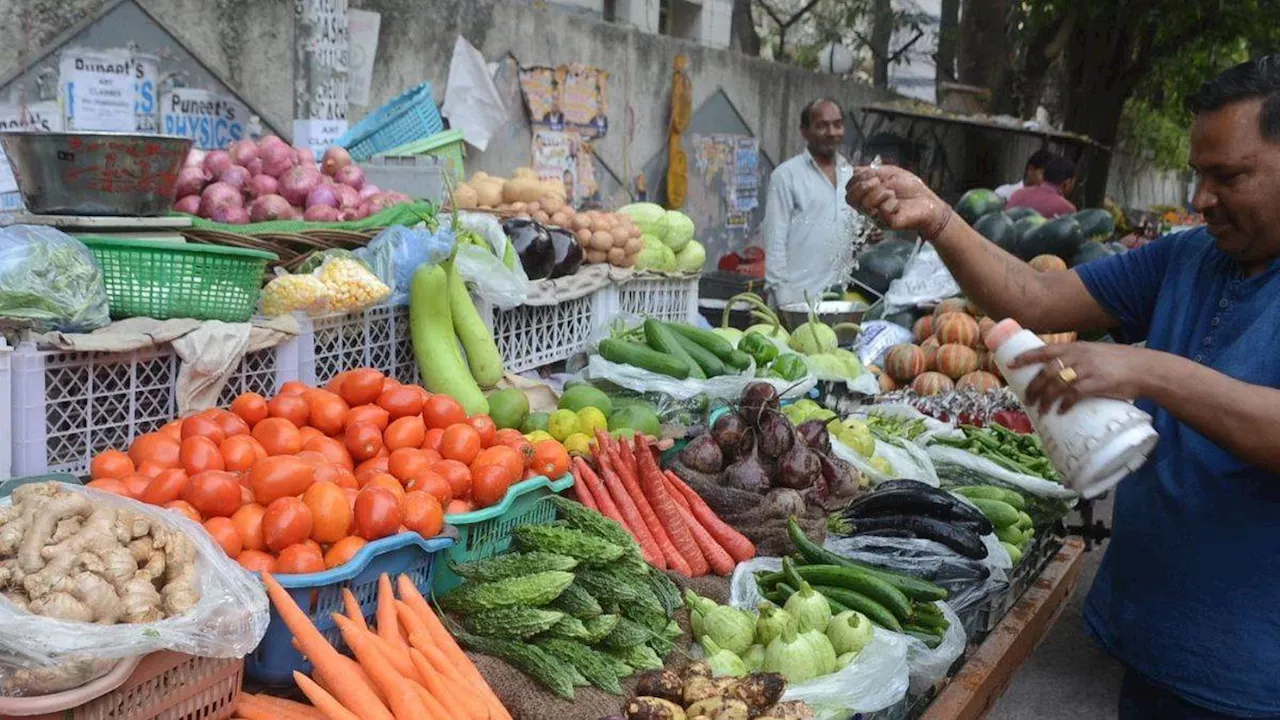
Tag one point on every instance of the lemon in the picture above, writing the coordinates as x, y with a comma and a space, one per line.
562, 424
590, 419
538, 436
578, 443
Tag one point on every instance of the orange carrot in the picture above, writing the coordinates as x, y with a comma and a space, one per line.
405, 703
628, 457
581, 492
627, 508
388, 628
290, 707
432, 705
675, 561
349, 667
346, 687
398, 658
439, 686
446, 669
664, 508
354, 613
265, 707
734, 542
324, 702
409, 620
675, 494
717, 557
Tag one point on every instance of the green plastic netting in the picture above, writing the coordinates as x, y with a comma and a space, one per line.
403, 214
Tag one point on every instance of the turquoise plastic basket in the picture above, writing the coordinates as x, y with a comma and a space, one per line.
410, 116
447, 145
485, 533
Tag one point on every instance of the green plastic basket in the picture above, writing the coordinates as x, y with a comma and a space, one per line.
447, 145
485, 533
163, 279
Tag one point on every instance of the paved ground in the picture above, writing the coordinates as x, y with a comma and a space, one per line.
1068, 677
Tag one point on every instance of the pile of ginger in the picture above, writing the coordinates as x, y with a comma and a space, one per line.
65, 556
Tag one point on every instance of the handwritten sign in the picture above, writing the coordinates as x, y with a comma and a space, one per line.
97, 89
318, 134
212, 120
36, 117
323, 49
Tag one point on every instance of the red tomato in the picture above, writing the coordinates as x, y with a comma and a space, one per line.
199, 453
280, 476
293, 387
432, 440
503, 456
332, 449
299, 559
484, 425
370, 414
458, 475
293, 408
389, 482
377, 513
328, 412
183, 507
407, 462
278, 436
330, 513
240, 452
489, 485
226, 534
362, 387
135, 484
203, 426
441, 411
407, 432
342, 551
248, 521
423, 514
251, 407
401, 401
232, 424
287, 521
256, 561
433, 484
363, 441
461, 442
214, 493
111, 464
165, 487
157, 448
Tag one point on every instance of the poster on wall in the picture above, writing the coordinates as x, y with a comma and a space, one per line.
569, 96
733, 160
562, 155
212, 120
107, 90
34, 117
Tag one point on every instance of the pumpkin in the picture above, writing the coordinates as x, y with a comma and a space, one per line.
1058, 338
932, 383
955, 361
923, 328
887, 384
987, 362
904, 362
984, 327
930, 347
1048, 263
956, 327
955, 304
978, 381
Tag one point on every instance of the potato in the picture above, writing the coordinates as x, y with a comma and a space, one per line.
636, 232
519, 207
599, 225
560, 218
628, 261
540, 216
617, 255
633, 245
465, 197
601, 241
554, 204
534, 206
619, 238
488, 192
584, 237
523, 172
581, 222
595, 257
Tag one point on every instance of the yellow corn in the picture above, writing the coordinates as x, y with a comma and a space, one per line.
351, 285
289, 293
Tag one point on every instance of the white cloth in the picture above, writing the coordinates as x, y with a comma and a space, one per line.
809, 230
1007, 191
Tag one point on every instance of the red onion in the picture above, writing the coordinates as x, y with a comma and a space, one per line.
216, 162
243, 152
277, 159
235, 176
260, 185
191, 181
350, 175
335, 158
269, 140
322, 213
270, 207
194, 158
322, 195
232, 216
369, 190
347, 196
219, 196
306, 157
189, 204
254, 166
297, 183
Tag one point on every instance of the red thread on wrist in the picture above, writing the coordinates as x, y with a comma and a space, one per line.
946, 220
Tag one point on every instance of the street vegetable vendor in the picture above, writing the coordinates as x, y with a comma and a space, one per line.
1188, 594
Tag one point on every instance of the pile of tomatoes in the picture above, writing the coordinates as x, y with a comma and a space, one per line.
301, 482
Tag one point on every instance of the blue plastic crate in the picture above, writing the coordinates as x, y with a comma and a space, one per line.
320, 595
412, 115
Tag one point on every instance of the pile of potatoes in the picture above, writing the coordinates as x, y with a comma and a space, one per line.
605, 237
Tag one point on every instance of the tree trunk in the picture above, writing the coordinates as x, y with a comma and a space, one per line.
881, 37
983, 43
948, 37
742, 29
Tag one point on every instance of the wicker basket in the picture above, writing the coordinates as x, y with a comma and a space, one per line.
291, 247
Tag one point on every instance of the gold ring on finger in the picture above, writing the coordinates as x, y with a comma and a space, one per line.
1068, 375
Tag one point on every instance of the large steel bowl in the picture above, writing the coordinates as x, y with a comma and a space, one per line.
95, 173
841, 315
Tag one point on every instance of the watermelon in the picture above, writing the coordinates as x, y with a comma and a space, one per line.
882, 264
1023, 227
978, 202
1060, 236
998, 228
1016, 214
1090, 251
1096, 223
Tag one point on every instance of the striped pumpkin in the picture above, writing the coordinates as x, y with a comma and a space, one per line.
955, 361
904, 362
955, 327
932, 383
978, 381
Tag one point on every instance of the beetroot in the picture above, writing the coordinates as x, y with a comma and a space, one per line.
218, 197
270, 207
243, 152
322, 195
236, 176
297, 183
189, 204
260, 185
703, 454
191, 181
322, 213
350, 175
335, 159
216, 162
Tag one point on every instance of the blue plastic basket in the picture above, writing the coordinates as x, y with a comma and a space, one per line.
320, 595
412, 115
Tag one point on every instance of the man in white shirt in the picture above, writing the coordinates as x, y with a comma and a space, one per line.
1032, 175
810, 233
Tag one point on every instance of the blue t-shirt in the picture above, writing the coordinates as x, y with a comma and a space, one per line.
1188, 593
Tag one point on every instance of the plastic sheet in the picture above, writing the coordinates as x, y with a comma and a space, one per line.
725, 387
395, 253
925, 281
877, 337
876, 679
996, 475
50, 279
228, 621
489, 278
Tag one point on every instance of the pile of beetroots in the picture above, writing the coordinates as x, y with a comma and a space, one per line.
267, 179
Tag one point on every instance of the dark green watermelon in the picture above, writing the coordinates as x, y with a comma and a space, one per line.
905, 318
1060, 236
1018, 213
1091, 250
1096, 223
1023, 227
883, 263
998, 228
978, 202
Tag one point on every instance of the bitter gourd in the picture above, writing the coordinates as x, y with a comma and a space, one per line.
626, 634
598, 627
501, 567
512, 623
638, 657
588, 549
568, 628
577, 602
533, 590
557, 676
580, 517
610, 588
594, 666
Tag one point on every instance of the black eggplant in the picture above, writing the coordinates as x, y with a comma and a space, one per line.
958, 539
533, 245
928, 502
889, 533
568, 253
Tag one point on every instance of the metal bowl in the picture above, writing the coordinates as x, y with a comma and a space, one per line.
839, 314
114, 174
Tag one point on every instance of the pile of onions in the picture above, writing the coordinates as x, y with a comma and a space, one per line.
270, 180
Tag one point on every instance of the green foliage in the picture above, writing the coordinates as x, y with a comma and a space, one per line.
1163, 132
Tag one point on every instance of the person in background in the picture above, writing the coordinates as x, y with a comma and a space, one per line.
810, 233
1186, 595
1049, 198
1032, 175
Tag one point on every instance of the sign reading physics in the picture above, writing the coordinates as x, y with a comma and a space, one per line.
212, 120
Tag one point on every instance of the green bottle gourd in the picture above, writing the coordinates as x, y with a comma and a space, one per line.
435, 344
482, 352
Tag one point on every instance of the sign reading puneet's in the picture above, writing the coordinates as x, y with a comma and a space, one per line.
212, 120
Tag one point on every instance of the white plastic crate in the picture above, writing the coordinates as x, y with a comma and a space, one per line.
68, 406
661, 298
531, 336
376, 338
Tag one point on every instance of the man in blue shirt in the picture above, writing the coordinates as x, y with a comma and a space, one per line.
1188, 594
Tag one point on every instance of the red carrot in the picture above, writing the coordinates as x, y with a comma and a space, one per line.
734, 542
655, 491
627, 507
596, 487
628, 457
675, 561
581, 492
719, 559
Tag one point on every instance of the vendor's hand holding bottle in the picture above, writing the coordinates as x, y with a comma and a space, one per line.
898, 200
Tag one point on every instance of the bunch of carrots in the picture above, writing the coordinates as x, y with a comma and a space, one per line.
406, 667
674, 526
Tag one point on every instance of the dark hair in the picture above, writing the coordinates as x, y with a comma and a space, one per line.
1254, 79
1059, 170
1040, 159
807, 113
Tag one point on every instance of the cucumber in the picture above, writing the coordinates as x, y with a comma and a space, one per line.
1011, 535
714, 344
1000, 513
861, 582
625, 353
1024, 520
660, 338
914, 588
992, 492
1014, 552
931, 641
710, 364
874, 611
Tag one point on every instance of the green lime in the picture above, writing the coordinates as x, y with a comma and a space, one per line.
508, 408
636, 417
534, 422
582, 396
563, 423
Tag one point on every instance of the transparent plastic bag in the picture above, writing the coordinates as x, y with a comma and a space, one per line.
288, 293
50, 279
352, 286
489, 278
396, 252
925, 281
876, 679
996, 475
228, 621
877, 337
932, 426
